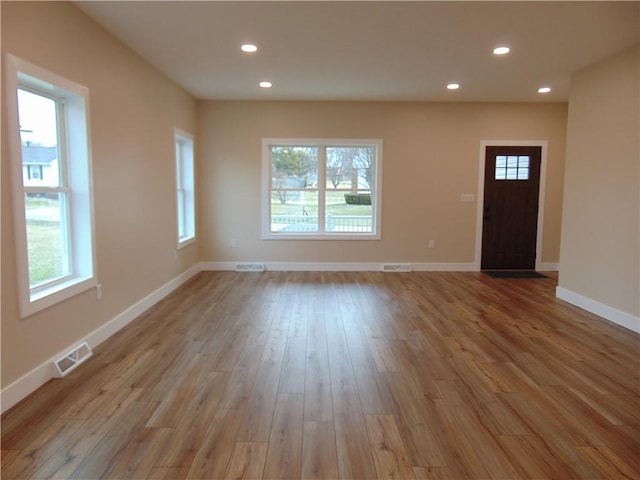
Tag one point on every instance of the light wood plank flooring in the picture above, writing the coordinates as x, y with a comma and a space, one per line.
284, 375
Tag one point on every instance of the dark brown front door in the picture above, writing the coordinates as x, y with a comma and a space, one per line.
510, 217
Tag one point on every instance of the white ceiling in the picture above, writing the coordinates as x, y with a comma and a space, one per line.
372, 50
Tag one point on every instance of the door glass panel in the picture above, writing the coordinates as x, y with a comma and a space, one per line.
512, 167
523, 167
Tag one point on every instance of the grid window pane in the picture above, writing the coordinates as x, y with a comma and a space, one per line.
39, 137
348, 212
47, 237
349, 167
181, 214
294, 166
294, 211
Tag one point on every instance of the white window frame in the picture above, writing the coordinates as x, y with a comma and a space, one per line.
322, 144
185, 189
75, 164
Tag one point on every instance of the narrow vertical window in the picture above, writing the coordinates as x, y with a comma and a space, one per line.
46, 198
51, 174
185, 191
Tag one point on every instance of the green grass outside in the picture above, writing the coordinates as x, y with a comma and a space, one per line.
44, 243
32, 203
44, 250
307, 202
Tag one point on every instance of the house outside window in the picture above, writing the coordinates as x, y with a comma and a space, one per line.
51, 180
39, 162
34, 172
321, 189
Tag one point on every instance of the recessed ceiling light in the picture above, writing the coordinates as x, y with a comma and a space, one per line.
453, 86
544, 89
249, 48
266, 84
502, 50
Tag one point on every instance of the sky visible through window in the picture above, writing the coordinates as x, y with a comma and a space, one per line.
37, 119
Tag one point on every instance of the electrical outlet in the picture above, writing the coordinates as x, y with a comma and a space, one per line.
99, 291
234, 243
432, 244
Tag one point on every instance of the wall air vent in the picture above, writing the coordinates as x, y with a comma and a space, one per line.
396, 267
249, 267
72, 359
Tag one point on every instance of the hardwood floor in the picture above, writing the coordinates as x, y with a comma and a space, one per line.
285, 375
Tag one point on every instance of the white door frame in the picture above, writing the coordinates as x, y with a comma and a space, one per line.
541, 192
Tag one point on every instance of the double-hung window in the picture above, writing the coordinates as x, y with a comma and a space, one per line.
185, 191
51, 176
321, 189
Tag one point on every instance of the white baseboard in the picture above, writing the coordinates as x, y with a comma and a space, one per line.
605, 311
217, 266
99, 335
323, 267
341, 266
25, 385
298, 266
444, 267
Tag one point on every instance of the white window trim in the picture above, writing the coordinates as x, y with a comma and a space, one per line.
84, 277
266, 189
190, 204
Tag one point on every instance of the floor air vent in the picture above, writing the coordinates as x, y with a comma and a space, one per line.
396, 267
72, 359
249, 267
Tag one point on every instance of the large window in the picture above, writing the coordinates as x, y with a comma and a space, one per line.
51, 185
321, 189
185, 193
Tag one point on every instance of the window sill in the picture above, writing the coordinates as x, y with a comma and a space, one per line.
320, 236
185, 242
49, 297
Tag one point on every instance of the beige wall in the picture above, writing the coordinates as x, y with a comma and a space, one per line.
134, 110
600, 229
431, 157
